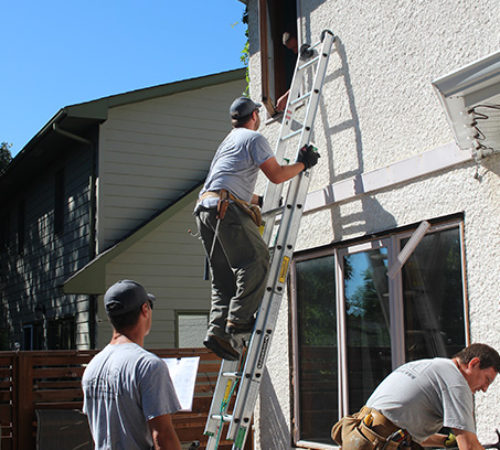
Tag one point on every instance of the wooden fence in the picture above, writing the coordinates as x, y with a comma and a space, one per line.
36, 380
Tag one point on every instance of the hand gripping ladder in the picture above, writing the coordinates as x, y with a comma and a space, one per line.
248, 371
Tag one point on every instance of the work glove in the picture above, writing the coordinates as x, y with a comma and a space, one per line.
450, 441
308, 156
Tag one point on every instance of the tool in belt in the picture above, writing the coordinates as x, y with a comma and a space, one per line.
397, 439
225, 197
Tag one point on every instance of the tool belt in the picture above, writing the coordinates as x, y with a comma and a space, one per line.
369, 429
224, 197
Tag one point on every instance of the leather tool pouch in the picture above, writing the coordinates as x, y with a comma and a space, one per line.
252, 210
344, 427
222, 204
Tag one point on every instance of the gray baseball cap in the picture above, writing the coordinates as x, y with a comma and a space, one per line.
125, 296
243, 107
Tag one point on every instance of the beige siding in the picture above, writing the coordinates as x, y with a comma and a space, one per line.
169, 262
152, 152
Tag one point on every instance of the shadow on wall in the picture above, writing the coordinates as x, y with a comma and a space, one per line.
274, 432
356, 222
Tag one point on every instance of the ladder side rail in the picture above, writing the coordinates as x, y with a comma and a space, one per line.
287, 232
273, 192
287, 235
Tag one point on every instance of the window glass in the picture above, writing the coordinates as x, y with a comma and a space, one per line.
33, 336
368, 323
317, 348
61, 334
191, 330
433, 297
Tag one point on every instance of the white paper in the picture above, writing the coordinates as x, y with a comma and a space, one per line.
183, 373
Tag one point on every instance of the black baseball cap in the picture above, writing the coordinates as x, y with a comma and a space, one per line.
243, 107
125, 296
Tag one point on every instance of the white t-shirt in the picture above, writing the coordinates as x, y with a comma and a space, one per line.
236, 163
424, 396
124, 386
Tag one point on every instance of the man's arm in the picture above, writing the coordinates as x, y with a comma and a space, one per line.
466, 440
163, 432
436, 440
277, 173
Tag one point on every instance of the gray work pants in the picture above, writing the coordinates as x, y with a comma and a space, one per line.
238, 266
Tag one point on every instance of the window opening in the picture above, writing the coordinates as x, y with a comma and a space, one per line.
278, 60
352, 325
61, 334
33, 336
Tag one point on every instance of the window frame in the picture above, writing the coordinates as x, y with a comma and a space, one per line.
392, 241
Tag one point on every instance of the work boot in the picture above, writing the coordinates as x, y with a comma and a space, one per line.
222, 348
239, 328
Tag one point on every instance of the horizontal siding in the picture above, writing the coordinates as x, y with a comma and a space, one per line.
169, 262
34, 278
152, 152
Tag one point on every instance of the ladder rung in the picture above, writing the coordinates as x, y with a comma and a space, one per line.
272, 212
232, 374
292, 134
300, 99
224, 417
308, 63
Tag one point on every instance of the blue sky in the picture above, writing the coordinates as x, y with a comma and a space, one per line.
61, 52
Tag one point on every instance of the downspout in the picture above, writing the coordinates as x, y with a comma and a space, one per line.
92, 221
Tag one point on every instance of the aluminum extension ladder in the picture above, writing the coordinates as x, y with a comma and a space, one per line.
248, 371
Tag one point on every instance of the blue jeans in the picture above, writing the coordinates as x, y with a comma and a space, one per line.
238, 266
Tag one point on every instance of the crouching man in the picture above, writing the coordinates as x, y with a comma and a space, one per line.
419, 398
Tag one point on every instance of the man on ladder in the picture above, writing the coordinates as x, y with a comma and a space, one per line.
228, 222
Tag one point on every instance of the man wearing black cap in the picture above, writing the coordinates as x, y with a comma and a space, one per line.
238, 256
128, 393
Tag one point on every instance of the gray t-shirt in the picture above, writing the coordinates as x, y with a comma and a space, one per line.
236, 163
424, 396
124, 386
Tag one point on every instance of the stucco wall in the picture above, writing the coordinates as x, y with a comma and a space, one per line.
379, 108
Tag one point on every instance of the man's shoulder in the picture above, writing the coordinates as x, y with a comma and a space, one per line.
247, 134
